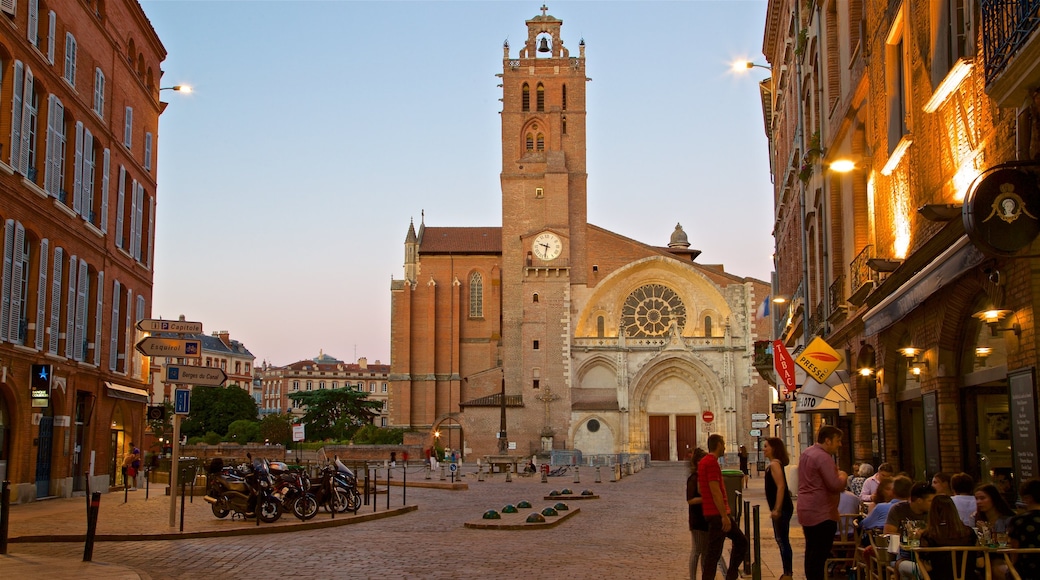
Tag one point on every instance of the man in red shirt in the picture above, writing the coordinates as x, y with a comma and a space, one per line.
820, 484
716, 510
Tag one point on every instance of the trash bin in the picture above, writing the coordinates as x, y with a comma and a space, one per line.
734, 480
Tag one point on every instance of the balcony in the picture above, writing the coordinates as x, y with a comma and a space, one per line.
816, 321
763, 361
838, 308
862, 279
1011, 49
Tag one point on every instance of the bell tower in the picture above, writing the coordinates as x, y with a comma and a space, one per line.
543, 212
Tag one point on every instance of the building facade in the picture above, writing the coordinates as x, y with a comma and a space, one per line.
79, 117
919, 261
322, 372
549, 333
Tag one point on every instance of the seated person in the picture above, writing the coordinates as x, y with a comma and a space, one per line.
915, 510
1024, 530
945, 528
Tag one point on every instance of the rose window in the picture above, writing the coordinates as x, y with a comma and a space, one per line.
651, 310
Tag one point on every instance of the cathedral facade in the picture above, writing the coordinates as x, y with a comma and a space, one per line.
550, 333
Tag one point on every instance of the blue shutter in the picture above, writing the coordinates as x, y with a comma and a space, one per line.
32, 33
82, 292
17, 268
138, 221
27, 109
148, 151
151, 230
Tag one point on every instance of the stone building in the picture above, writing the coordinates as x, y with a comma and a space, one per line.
79, 119
576, 337
918, 261
322, 372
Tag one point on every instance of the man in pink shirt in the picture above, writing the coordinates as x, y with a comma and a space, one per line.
715, 505
820, 484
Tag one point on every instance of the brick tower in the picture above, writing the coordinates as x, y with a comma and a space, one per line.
543, 219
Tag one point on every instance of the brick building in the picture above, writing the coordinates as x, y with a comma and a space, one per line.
588, 340
898, 260
79, 116
322, 372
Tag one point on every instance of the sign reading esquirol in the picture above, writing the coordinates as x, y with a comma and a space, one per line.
818, 360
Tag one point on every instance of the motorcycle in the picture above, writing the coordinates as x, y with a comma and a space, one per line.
292, 488
245, 490
347, 482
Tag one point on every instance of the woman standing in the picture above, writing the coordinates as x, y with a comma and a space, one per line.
698, 525
778, 494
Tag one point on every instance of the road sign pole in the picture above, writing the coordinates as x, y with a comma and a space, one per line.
173, 469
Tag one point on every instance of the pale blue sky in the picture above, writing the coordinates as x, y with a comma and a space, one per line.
317, 129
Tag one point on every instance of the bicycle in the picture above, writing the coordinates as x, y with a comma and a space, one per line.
561, 470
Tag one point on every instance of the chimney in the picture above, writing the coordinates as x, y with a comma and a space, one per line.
363, 362
224, 336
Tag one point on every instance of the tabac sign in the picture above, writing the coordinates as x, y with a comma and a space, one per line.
818, 360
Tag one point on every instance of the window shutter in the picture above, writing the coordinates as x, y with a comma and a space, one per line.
55, 146
70, 58
5, 292
89, 176
128, 349
34, 21
99, 93
128, 127
82, 292
113, 343
52, 21
106, 162
138, 221
7, 6
119, 206
18, 266
27, 92
151, 231
98, 317
16, 114
130, 246
70, 308
148, 151
77, 172
59, 263
41, 294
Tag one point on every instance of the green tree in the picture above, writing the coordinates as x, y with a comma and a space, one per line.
213, 409
335, 413
276, 428
372, 435
243, 431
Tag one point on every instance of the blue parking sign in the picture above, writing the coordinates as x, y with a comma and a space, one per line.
182, 401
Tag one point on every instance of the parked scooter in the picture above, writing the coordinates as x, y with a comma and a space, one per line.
292, 488
245, 490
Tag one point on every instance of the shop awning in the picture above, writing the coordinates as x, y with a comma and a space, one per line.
945, 268
814, 397
117, 391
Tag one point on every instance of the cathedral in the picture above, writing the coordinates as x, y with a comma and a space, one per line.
550, 333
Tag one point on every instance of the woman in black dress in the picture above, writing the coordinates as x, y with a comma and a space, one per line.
778, 494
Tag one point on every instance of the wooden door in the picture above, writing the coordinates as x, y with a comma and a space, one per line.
659, 437
685, 436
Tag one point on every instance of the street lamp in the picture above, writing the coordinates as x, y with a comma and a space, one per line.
177, 88
742, 65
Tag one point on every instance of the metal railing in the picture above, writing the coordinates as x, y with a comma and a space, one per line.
837, 294
1007, 26
859, 272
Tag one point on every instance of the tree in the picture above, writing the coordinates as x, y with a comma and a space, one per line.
335, 413
372, 435
213, 409
276, 429
163, 428
243, 431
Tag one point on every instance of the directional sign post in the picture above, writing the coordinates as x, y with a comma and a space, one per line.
174, 326
756, 432
192, 375
170, 347
759, 424
759, 416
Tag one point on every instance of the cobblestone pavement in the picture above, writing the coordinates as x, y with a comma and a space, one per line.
637, 529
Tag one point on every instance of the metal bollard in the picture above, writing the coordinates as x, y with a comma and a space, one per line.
598, 480
183, 477
375, 486
428, 469
404, 484
442, 473
747, 528
388, 487
577, 479
480, 472
756, 569
545, 476
509, 474
92, 516
5, 515
367, 489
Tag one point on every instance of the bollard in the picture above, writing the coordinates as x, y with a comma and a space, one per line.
577, 479
545, 476
5, 514
375, 486
147, 478
598, 480
480, 472
183, 477
747, 529
367, 490
442, 472
509, 474
756, 569
92, 516
404, 484
428, 469
126, 489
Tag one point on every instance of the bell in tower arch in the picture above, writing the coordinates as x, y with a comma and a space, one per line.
543, 46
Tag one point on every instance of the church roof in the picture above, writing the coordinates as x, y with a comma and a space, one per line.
456, 240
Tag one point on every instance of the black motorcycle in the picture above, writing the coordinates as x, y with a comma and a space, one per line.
245, 490
292, 488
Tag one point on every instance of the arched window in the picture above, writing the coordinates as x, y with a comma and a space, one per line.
564, 98
535, 297
540, 142
476, 296
707, 326
525, 99
529, 142
541, 97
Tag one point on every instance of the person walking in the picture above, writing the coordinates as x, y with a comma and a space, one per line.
716, 510
742, 456
698, 525
778, 496
820, 484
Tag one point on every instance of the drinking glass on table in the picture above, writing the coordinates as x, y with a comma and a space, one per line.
1001, 538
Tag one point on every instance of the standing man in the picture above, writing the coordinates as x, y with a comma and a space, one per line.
820, 484
716, 510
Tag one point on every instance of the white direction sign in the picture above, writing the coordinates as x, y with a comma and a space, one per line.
759, 417
298, 432
756, 432
177, 326
192, 375
170, 347
760, 424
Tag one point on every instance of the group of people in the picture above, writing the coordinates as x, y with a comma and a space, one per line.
949, 510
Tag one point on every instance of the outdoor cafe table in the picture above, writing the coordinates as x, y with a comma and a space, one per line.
989, 553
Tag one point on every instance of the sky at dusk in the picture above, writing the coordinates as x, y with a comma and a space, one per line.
318, 129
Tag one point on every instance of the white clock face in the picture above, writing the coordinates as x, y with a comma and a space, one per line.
547, 246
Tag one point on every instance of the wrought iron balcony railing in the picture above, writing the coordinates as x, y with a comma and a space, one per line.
1006, 26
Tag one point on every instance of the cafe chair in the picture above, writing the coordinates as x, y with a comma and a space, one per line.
1005, 555
961, 558
843, 551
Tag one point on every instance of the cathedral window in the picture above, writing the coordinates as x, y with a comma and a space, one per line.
564, 98
538, 193
540, 142
536, 345
525, 98
707, 326
476, 296
651, 310
600, 324
530, 142
535, 298
541, 97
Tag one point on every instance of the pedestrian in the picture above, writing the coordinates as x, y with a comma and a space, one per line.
742, 454
715, 505
128, 469
698, 525
778, 496
820, 484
